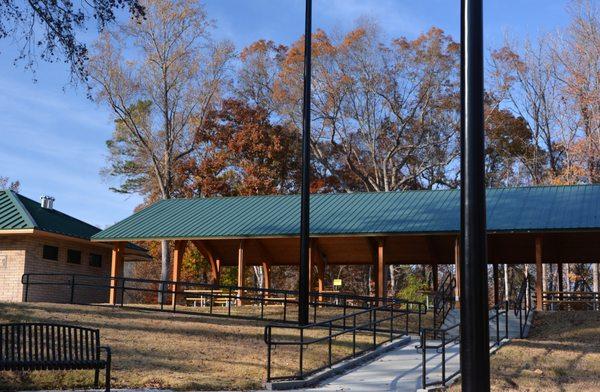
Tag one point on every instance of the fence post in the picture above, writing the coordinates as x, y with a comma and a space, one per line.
301, 352
330, 338
268, 334
26, 287
354, 335
444, 358
122, 292
72, 288
392, 322
374, 328
175, 288
285, 306
497, 325
506, 320
423, 359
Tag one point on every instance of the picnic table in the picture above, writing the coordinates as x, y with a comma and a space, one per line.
206, 297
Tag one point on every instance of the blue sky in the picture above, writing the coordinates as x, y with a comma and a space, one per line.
53, 137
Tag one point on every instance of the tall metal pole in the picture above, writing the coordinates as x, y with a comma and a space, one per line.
474, 347
303, 289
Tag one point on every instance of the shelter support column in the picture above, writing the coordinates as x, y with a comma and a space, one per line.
116, 269
560, 279
538, 273
240, 277
178, 252
380, 270
457, 268
434, 277
266, 275
496, 283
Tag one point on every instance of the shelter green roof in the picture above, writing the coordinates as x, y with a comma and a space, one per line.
19, 212
543, 208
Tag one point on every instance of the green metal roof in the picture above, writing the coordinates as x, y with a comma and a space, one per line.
20, 212
437, 211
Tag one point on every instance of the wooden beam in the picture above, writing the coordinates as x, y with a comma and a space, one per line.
178, 252
434, 276
320, 263
241, 265
538, 273
215, 263
116, 269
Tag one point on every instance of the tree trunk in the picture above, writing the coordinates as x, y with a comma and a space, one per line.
506, 292
595, 277
392, 280
164, 269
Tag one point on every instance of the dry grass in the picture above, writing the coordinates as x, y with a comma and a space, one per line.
152, 349
562, 353
165, 350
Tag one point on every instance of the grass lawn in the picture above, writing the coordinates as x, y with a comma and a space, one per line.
152, 349
562, 353
165, 350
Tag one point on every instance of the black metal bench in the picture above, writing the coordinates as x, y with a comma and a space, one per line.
43, 346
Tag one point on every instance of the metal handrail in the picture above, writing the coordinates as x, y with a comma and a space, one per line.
522, 304
177, 290
442, 300
344, 325
498, 310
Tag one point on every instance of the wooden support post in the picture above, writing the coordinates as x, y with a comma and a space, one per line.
538, 273
561, 281
380, 268
311, 262
116, 269
457, 268
240, 277
496, 284
266, 275
178, 252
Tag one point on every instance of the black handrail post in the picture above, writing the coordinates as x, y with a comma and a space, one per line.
354, 336
474, 334
305, 193
26, 287
72, 288
374, 328
497, 325
423, 359
122, 291
506, 320
444, 358
330, 341
301, 352
268, 334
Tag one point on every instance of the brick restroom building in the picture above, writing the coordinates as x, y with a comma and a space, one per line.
36, 238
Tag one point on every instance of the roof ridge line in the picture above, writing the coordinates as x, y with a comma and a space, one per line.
21, 208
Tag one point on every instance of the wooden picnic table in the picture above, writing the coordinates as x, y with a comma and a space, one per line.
205, 296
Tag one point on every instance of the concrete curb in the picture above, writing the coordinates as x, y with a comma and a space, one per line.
338, 369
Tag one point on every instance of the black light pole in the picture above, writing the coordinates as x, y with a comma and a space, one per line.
474, 341
303, 289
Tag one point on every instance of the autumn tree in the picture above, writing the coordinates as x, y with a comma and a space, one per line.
385, 116
160, 77
242, 153
54, 28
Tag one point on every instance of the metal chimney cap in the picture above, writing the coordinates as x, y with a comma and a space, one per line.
47, 202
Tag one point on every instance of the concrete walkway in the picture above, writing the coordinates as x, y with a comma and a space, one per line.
400, 369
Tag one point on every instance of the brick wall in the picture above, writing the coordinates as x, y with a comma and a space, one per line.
30, 260
12, 265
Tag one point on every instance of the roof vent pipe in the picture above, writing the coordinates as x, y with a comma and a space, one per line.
47, 202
